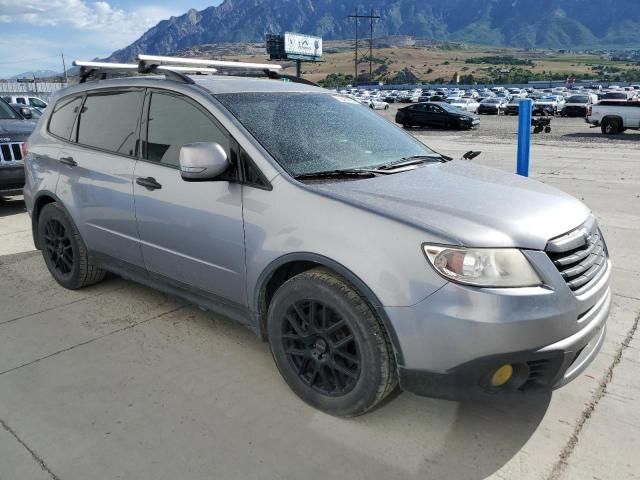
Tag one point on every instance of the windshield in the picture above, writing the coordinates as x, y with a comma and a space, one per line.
490, 100
616, 96
315, 132
6, 112
450, 108
578, 99
36, 102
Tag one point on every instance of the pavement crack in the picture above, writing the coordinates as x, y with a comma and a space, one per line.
563, 460
128, 327
33, 453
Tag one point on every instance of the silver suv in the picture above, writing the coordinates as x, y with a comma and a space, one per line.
363, 257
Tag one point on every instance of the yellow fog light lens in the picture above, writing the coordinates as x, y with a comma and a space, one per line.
502, 375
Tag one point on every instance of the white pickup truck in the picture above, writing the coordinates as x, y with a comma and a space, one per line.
614, 116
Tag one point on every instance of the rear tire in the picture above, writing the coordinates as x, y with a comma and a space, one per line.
330, 348
64, 251
610, 126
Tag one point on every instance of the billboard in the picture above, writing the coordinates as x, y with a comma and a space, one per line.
305, 45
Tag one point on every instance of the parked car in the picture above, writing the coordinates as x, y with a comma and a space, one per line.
378, 104
492, 106
391, 98
577, 105
34, 102
29, 113
548, 105
466, 104
513, 107
620, 96
440, 115
14, 130
363, 257
613, 116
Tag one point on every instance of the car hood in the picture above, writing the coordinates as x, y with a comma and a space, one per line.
15, 129
466, 204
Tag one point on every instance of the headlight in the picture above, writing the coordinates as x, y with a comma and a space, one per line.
483, 267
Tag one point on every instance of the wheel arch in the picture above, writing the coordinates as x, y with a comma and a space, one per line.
41, 199
287, 266
617, 118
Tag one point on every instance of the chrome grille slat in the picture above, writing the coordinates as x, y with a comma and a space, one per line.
580, 255
10, 152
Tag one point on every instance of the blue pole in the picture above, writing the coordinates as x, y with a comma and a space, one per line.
524, 136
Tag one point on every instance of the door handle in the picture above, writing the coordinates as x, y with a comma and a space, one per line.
69, 161
149, 183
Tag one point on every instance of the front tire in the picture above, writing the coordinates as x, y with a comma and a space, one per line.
63, 250
330, 348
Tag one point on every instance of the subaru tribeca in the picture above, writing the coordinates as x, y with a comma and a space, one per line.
363, 257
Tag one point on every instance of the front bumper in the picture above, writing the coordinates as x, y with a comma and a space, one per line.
11, 178
454, 340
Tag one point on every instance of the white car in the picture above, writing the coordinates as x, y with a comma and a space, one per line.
466, 104
378, 104
29, 101
548, 105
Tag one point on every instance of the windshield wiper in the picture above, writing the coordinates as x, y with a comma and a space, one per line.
412, 160
339, 173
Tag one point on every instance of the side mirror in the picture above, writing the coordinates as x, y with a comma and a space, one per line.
26, 113
202, 161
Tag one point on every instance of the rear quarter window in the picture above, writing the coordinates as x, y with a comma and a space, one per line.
63, 116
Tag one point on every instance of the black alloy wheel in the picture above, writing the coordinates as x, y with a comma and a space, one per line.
329, 345
63, 249
321, 348
58, 247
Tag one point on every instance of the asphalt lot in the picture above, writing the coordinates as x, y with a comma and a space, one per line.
120, 382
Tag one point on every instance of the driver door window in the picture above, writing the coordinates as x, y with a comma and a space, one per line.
173, 122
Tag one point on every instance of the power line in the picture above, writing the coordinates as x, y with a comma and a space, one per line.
357, 17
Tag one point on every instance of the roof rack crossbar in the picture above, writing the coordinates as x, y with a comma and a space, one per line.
175, 67
102, 69
162, 60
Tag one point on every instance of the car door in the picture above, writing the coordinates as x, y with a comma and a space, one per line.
96, 171
438, 116
419, 115
191, 233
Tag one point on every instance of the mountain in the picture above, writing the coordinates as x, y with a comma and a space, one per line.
37, 74
517, 23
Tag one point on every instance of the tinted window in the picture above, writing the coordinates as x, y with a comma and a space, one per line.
63, 116
110, 121
174, 122
6, 112
34, 102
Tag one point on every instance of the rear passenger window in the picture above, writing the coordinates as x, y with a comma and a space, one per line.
174, 122
63, 116
110, 120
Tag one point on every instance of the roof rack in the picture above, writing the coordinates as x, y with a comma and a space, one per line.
175, 67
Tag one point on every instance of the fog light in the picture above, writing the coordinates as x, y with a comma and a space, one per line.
502, 375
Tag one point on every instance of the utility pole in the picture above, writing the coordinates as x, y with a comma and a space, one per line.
371, 17
64, 69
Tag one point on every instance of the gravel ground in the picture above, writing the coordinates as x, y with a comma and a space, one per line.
504, 129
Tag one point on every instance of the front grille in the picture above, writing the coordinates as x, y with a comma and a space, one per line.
10, 152
580, 255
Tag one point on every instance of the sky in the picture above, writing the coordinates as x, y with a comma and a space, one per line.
33, 33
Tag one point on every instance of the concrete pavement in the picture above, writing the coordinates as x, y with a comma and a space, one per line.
118, 381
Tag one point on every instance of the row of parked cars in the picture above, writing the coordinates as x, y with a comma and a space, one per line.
567, 102
17, 120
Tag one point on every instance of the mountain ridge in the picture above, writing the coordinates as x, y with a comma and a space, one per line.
562, 24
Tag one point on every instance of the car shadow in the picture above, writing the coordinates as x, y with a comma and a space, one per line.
11, 206
469, 440
628, 137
